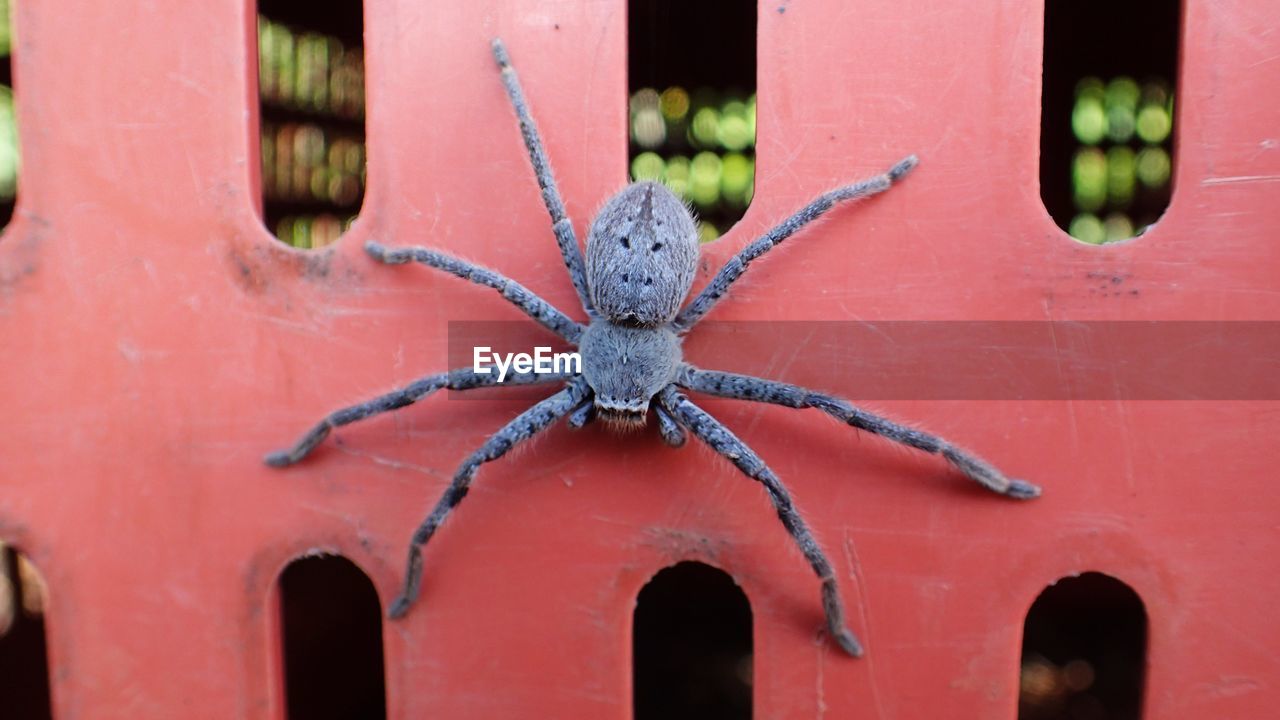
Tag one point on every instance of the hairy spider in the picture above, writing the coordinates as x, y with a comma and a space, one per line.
642, 254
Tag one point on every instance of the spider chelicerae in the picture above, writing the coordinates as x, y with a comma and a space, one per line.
642, 255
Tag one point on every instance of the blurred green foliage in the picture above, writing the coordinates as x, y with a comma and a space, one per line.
1122, 160
700, 144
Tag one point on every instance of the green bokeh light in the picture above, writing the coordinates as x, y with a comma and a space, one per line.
1089, 121
1153, 167
734, 133
1124, 92
1121, 120
704, 179
1120, 176
1117, 226
704, 128
1154, 124
736, 174
1122, 162
1089, 170
647, 166
676, 175
1086, 227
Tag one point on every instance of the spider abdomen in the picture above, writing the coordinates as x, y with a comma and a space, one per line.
642, 255
627, 366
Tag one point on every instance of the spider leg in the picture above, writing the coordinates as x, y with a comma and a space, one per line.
523, 427
669, 428
543, 312
583, 414
746, 387
719, 438
460, 379
737, 265
560, 223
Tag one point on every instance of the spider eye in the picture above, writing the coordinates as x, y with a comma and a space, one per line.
656, 247
626, 242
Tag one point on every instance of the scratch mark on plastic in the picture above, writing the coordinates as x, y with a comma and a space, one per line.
1240, 179
855, 568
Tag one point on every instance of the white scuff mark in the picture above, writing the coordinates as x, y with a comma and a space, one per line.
188, 82
1240, 179
855, 568
821, 679
388, 462
135, 354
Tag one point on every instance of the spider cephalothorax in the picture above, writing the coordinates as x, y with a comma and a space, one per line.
626, 367
642, 255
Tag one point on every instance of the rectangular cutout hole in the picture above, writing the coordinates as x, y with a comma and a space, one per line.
331, 625
1084, 651
692, 646
1106, 133
311, 90
692, 84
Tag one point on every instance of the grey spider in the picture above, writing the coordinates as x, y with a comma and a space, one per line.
642, 254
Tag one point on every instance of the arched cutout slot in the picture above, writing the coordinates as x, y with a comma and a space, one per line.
692, 646
331, 626
311, 118
9, 150
1106, 124
1084, 651
24, 657
692, 83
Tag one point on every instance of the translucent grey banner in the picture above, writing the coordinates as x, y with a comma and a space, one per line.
964, 360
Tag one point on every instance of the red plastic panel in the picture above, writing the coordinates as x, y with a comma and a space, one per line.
157, 341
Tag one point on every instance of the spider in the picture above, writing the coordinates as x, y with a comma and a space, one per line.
641, 257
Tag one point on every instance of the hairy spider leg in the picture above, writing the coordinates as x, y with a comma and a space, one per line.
543, 312
723, 441
669, 428
583, 414
746, 387
524, 426
460, 379
737, 265
560, 224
